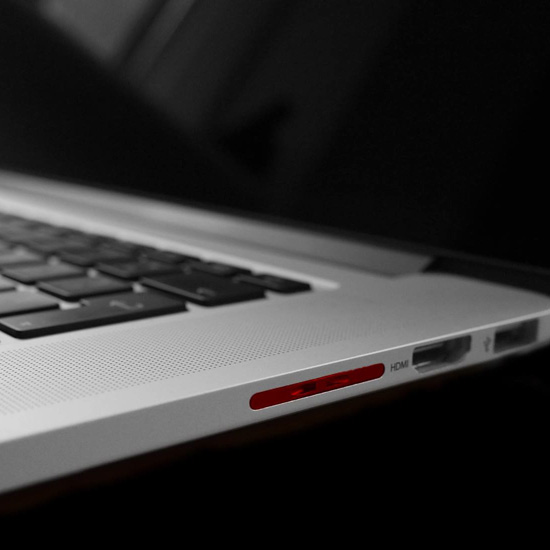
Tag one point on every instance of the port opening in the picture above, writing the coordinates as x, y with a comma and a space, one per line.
516, 335
440, 354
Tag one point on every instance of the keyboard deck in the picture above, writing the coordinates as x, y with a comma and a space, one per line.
57, 279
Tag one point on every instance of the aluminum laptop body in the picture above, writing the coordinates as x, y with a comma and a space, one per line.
80, 398
215, 321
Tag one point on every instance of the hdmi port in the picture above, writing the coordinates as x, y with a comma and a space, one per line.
440, 354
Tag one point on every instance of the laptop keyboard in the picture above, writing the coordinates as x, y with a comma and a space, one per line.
56, 279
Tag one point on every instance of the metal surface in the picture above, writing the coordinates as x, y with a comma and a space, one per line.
69, 402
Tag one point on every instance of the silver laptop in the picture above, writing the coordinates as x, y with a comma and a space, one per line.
130, 324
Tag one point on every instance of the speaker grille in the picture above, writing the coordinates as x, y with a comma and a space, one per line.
80, 366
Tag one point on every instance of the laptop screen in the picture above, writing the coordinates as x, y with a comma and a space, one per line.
420, 122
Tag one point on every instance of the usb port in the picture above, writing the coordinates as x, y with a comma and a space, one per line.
441, 354
515, 336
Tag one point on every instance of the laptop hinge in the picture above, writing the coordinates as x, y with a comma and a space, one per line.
525, 277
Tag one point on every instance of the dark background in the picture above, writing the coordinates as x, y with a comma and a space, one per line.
418, 121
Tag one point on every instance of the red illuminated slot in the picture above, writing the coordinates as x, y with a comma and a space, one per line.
307, 388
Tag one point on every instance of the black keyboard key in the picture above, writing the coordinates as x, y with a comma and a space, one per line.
31, 274
50, 231
6, 285
95, 312
274, 283
168, 257
135, 270
76, 288
136, 301
128, 249
45, 245
89, 258
50, 245
16, 236
12, 303
217, 268
19, 257
204, 289
81, 237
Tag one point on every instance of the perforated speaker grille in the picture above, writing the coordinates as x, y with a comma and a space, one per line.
62, 370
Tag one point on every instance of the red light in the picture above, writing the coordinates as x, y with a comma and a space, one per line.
284, 394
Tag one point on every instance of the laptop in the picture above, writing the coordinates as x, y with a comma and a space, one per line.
136, 318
